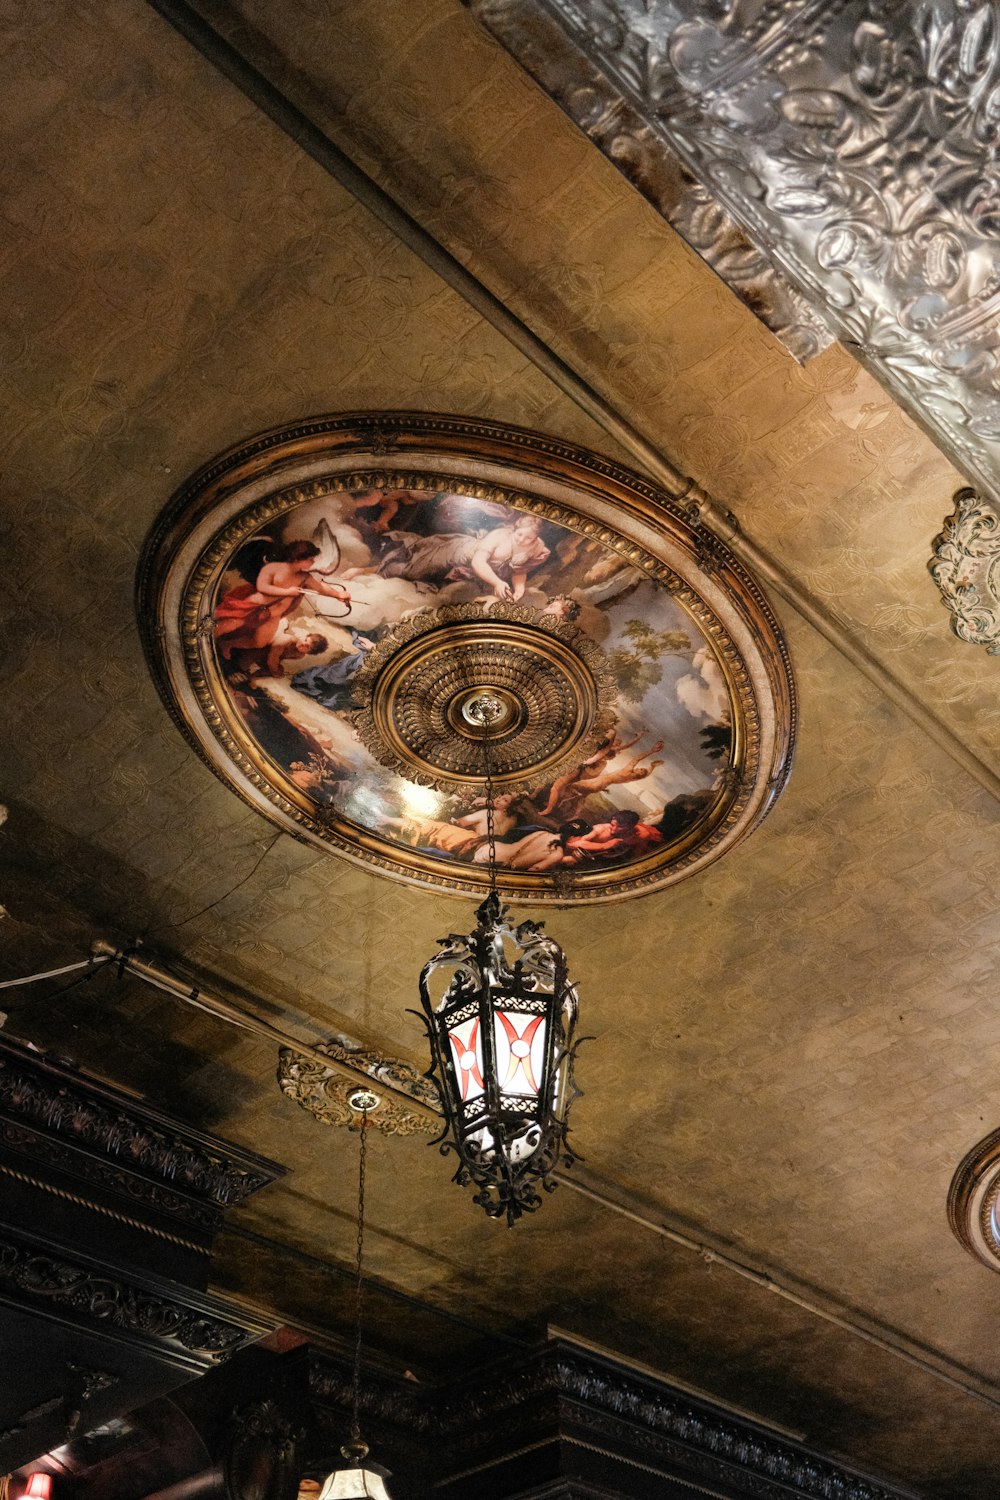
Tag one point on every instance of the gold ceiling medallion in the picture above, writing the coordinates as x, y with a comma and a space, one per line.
323, 606
328, 1093
974, 1201
419, 686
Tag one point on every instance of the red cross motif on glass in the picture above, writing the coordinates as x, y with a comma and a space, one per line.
519, 1060
467, 1064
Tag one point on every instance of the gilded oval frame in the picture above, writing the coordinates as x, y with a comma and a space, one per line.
974, 1201
231, 497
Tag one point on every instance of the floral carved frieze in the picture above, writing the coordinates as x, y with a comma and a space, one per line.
639, 1419
75, 1123
48, 1280
852, 143
966, 568
45, 1151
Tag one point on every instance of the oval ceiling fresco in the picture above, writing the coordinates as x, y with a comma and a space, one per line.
325, 606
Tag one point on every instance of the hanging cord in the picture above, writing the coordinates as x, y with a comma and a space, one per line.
91, 963
491, 842
358, 1447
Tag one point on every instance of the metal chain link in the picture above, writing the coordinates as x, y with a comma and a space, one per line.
359, 1284
491, 843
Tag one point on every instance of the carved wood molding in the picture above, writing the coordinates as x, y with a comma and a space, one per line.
561, 1384
44, 1151
192, 1328
75, 1123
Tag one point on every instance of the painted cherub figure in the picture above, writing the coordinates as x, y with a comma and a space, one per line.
248, 617
633, 770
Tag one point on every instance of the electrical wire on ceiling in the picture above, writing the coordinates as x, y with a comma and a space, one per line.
202, 911
83, 963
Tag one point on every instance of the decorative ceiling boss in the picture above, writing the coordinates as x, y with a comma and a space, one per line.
322, 606
966, 568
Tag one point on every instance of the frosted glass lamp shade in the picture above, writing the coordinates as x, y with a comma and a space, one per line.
354, 1483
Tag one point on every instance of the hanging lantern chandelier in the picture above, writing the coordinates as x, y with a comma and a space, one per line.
500, 1013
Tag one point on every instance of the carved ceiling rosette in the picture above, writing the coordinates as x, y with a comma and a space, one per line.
325, 1092
322, 604
554, 686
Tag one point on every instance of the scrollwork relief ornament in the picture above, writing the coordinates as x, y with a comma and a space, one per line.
72, 1113
556, 685
260, 1456
612, 1406
854, 144
324, 1091
966, 568
58, 1284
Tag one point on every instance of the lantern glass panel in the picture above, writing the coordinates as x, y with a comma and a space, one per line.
519, 1040
354, 1483
467, 1058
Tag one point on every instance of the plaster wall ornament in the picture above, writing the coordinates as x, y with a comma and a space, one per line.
322, 605
966, 568
325, 1092
853, 143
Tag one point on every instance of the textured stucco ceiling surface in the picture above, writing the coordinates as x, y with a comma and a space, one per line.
795, 1048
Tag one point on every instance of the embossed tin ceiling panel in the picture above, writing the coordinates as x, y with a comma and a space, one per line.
323, 604
853, 143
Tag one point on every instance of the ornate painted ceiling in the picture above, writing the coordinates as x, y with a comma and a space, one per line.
795, 1044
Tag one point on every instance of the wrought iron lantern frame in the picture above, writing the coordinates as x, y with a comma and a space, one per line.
508, 1140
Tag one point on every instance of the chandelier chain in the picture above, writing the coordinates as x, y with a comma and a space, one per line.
491, 842
358, 1282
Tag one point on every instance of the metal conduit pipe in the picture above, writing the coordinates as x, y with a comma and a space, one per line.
226, 1010
889, 1343
317, 144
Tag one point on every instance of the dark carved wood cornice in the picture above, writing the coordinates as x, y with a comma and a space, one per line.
188, 1327
77, 1124
596, 1404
